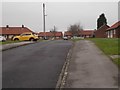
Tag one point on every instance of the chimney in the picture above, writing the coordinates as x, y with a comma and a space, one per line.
22, 26
7, 26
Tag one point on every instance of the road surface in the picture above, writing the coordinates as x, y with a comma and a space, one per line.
34, 66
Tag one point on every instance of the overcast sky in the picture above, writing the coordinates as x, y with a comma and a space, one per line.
60, 14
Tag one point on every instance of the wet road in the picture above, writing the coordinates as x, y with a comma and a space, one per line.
34, 66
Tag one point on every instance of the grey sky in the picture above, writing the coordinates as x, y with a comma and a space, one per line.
60, 14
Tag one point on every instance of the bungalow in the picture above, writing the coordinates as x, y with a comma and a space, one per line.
82, 33
101, 32
50, 35
68, 34
87, 33
114, 31
10, 32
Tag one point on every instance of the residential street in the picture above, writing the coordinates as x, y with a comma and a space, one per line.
91, 68
35, 65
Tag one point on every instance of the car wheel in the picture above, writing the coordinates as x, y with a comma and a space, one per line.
31, 39
16, 39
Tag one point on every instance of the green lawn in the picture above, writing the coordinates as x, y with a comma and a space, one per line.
108, 46
117, 61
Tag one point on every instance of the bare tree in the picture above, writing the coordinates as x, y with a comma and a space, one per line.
75, 29
53, 31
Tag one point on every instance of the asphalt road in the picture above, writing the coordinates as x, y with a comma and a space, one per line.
35, 65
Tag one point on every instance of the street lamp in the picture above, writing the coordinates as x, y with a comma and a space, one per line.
44, 20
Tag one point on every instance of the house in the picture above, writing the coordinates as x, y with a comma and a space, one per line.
87, 33
82, 33
50, 35
10, 32
68, 34
101, 32
114, 31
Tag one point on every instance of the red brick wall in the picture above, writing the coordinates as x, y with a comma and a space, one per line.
101, 32
118, 32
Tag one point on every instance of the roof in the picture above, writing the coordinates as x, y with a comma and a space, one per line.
68, 33
58, 34
114, 25
82, 32
50, 34
14, 30
103, 27
87, 32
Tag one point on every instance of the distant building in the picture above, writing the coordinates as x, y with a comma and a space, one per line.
82, 33
101, 32
68, 34
50, 35
114, 31
10, 32
87, 33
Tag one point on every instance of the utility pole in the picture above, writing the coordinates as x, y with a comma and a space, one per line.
44, 21
54, 31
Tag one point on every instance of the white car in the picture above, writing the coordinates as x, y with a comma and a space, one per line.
2, 38
65, 38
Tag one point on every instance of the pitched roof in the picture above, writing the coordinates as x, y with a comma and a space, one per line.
82, 32
58, 34
50, 34
87, 32
114, 25
103, 27
14, 30
68, 33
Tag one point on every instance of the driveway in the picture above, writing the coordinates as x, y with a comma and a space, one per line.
34, 66
91, 68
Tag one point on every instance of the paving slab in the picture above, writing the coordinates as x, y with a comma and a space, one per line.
91, 68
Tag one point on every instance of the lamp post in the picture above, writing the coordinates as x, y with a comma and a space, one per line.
44, 20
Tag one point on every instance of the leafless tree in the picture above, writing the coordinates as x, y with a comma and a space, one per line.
75, 29
53, 30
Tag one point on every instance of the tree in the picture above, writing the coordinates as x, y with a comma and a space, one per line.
101, 20
53, 31
75, 29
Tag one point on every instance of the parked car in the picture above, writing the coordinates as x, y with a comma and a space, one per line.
28, 36
65, 38
2, 38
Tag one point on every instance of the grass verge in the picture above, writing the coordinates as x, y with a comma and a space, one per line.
117, 61
8, 42
109, 47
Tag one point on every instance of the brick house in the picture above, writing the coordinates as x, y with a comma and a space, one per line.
114, 31
87, 33
101, 32
50, 35
10, 32
68, 34
82, 33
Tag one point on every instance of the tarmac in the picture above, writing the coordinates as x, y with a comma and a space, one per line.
90, 68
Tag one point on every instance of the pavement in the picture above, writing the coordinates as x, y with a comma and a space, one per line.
13, 45
35, 65
90, 68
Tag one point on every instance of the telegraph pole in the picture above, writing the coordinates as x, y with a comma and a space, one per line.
44, 20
